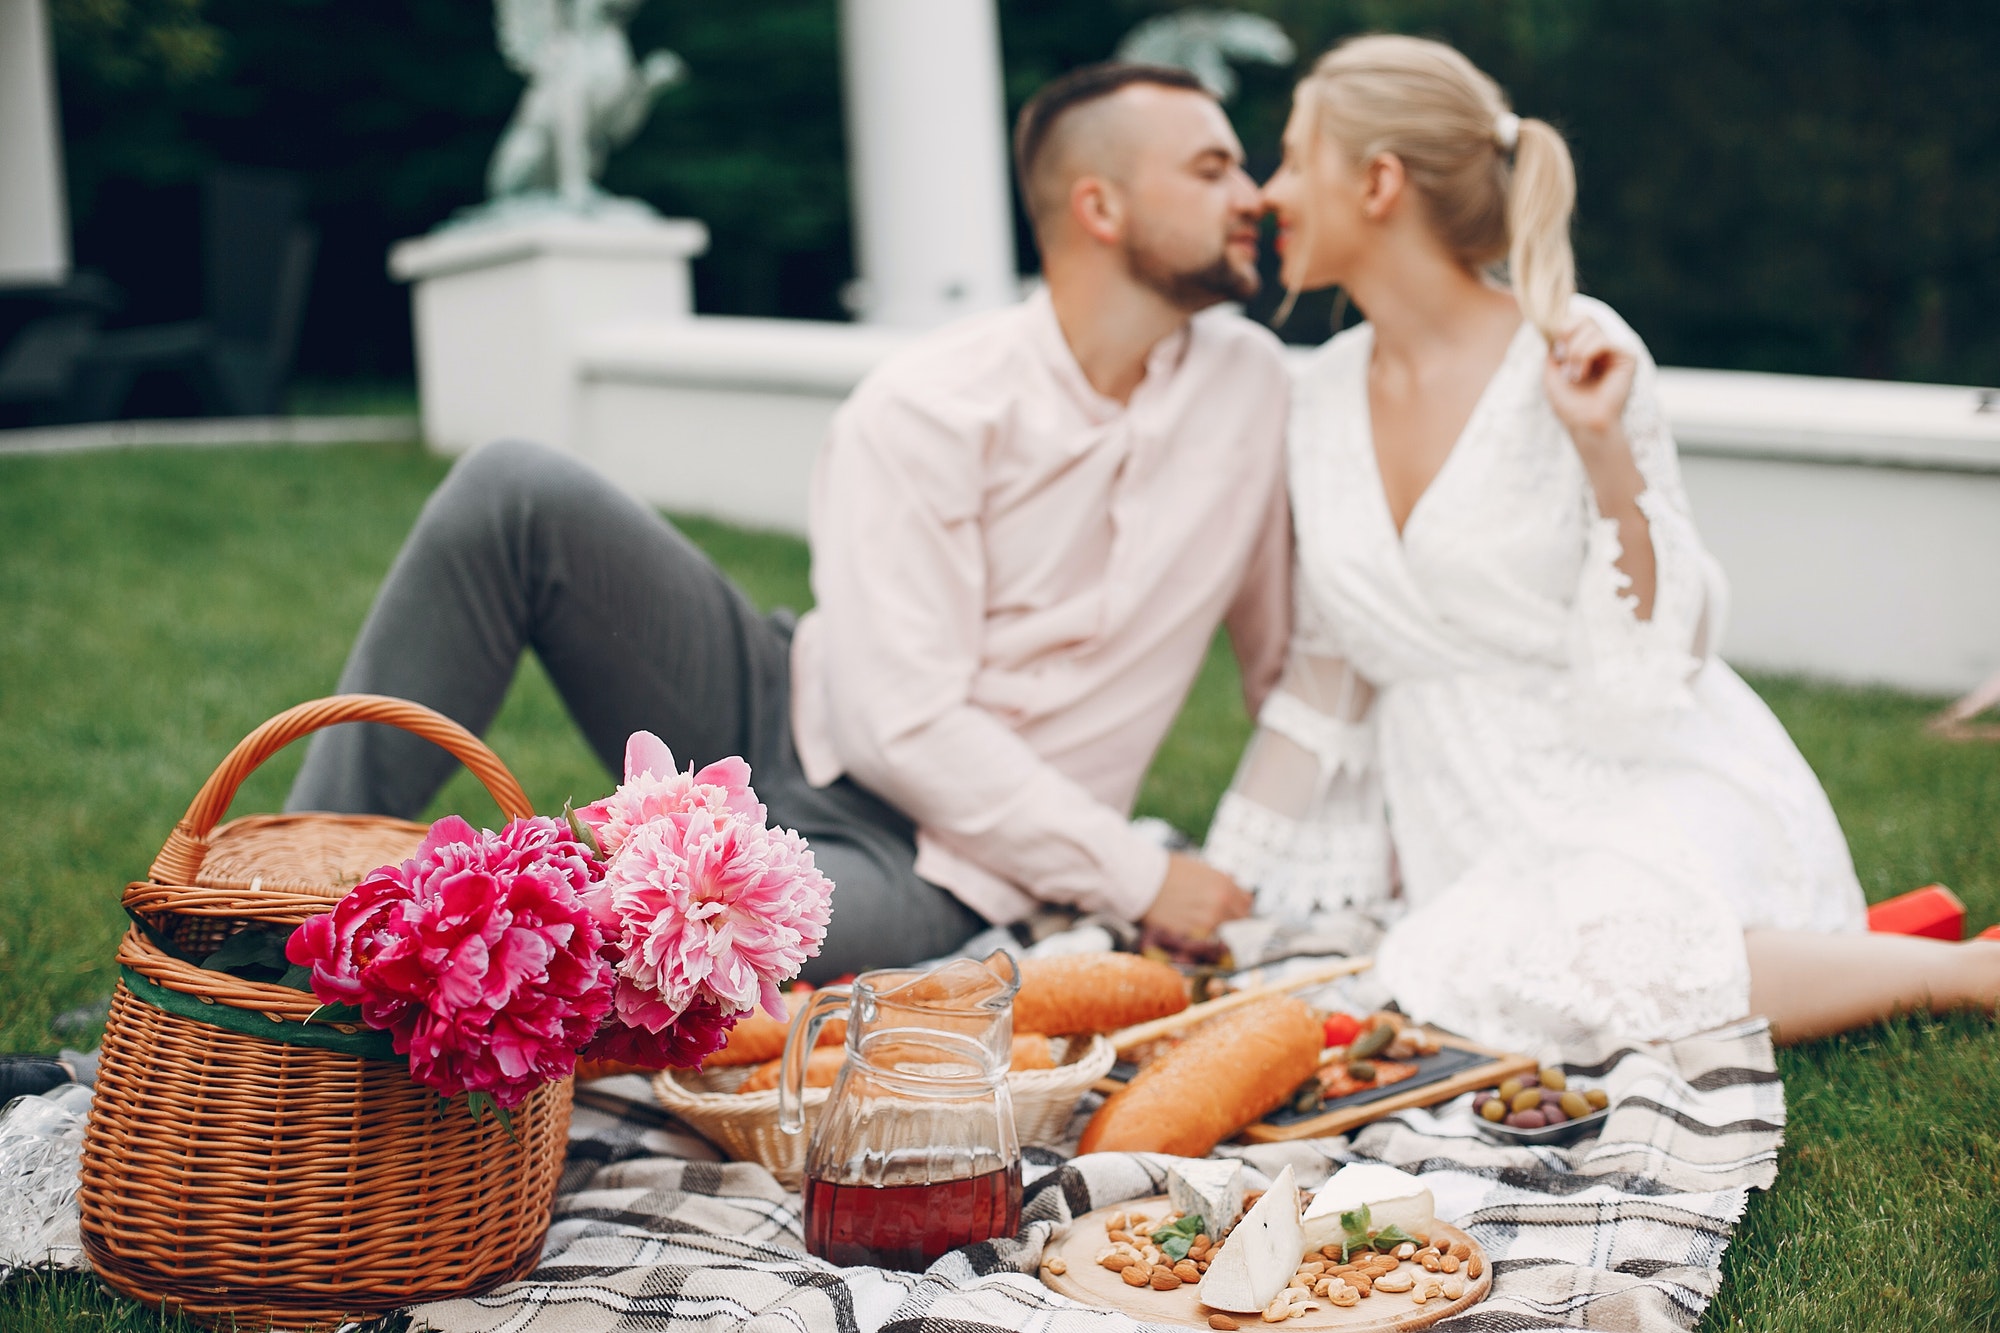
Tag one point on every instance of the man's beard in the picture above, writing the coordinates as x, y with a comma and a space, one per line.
1191, 289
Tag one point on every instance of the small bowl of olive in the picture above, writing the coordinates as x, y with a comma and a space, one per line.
1539, 1108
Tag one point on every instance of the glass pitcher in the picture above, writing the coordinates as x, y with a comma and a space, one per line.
914, 1152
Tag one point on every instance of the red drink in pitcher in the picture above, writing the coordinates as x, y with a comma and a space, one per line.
908, 1226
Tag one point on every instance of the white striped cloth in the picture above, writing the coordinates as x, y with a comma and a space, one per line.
1625, 1231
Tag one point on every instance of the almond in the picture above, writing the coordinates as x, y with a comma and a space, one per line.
1135, 1276
1187, 1272
1448, 1264
1474, 1267
1460, 1251
1164, 1280
1057, 1266
1116, 1262
1222, 1323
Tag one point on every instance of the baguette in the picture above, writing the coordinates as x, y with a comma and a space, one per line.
1095, 992
1225, 1074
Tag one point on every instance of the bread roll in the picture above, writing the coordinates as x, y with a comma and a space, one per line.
1223, 1075
759, 1037
823, 1064
1095, 992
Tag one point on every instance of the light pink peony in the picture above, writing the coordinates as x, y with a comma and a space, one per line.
478, 955
709, 904
655, 789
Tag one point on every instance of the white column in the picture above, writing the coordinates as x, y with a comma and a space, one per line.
927, 152
34, 227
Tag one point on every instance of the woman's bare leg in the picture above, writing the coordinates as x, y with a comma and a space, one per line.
1813, 985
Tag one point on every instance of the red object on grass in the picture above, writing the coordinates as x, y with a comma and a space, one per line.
1933, 911
1990, 933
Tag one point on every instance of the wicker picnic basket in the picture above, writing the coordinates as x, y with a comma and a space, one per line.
744, 1125
248, 1168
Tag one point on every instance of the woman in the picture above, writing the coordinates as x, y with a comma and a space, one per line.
1505, 664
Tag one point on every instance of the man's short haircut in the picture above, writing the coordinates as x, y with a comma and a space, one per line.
1056, 99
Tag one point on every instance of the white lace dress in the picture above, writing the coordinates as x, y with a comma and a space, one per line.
1565, 815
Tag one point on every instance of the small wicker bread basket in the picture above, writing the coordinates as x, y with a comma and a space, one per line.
245, 1179
744, 1125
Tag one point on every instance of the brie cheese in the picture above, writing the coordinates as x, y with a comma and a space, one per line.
1261, 1254
1211, 1190
1392, 1197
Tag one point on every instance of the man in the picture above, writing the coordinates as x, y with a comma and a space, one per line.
1025, 529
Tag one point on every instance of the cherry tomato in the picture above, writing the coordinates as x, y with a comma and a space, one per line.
1342, 1029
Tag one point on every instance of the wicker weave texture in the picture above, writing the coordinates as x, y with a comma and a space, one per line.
248, 1182
232, 1177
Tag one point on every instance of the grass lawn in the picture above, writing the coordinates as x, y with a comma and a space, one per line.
157, 606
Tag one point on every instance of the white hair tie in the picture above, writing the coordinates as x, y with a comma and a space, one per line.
1507, 131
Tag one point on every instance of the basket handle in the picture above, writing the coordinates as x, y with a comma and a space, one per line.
187, 845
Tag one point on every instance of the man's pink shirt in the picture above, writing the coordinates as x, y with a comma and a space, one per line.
1017, 579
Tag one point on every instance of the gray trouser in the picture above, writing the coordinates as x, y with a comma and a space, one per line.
522, 547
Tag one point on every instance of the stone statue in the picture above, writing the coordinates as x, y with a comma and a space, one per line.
1205, 41
585, 97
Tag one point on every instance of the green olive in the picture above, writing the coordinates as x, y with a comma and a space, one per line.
1527, 1099
1553, 1078
1598, 1099
1371, 1042
1362, 1071
1574, 1106
1507, 1090
1495, 1110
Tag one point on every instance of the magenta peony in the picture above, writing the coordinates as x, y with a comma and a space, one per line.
655, 789
709, 905
478, 955
699, 1032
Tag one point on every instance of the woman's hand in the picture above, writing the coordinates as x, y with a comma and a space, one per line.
1588, 379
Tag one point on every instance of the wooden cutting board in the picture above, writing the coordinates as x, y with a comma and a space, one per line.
1085, 1281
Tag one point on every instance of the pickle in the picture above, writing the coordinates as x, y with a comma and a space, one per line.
1370, 1042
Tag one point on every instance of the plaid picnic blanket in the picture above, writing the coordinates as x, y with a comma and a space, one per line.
1622, 1232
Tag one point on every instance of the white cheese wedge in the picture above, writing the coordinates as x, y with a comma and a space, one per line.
1261, 1254
1392, 1197
1211, 1190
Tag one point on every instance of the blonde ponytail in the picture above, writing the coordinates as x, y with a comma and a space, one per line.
1540, 198
1495, 186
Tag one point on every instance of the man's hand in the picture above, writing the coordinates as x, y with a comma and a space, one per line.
1194, 899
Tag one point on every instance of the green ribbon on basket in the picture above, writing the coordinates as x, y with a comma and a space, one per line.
347, 1038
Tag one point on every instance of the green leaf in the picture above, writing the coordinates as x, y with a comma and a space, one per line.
297, 977
582, 832
1355, 1224
1177, 1237
478, 1104
1392, 1235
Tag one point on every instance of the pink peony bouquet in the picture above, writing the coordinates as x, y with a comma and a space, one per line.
640, 932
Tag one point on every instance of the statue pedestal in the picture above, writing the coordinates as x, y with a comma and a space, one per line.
501, 306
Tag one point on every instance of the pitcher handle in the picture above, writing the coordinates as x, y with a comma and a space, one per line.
799, 1043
